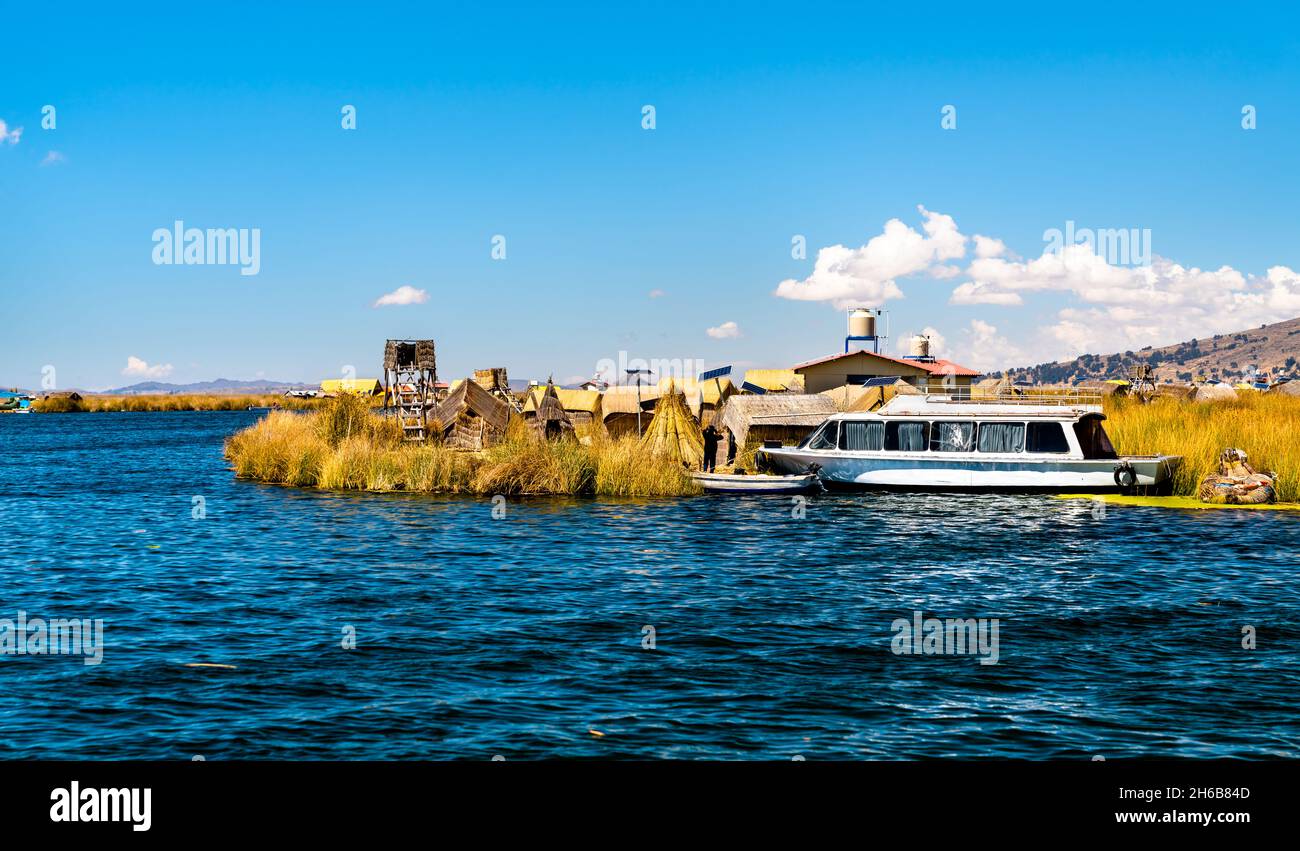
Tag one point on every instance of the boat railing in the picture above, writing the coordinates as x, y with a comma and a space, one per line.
1061, 398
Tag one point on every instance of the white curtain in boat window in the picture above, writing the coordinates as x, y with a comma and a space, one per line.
907, 437
952, 437
864, 436
1002, 437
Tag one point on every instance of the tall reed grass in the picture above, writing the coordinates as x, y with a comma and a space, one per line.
95, 403
1265, 425
344, 446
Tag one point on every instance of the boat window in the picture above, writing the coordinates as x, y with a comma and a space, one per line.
863, 436
1001, 437
1046, 437
907, 437
825, 437
1093, 439
952, 437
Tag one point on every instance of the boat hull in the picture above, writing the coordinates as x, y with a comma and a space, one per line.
942, 472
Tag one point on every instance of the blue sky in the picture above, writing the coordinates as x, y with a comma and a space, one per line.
770, 122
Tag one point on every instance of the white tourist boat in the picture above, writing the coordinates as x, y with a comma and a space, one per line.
1019, 444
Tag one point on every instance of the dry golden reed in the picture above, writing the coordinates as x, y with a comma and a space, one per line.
95, 403
342, 446
1265, 425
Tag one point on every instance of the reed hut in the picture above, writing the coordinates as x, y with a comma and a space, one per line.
703, 398
619, 407
582, 406
359, 386
786, 417
674, 433
776, 380
1215, 393
471, 417
1181, 392
548, 418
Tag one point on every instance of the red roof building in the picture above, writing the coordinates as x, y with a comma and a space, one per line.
857, 367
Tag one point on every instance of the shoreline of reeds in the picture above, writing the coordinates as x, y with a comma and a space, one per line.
164, 402
362, 451
344, 446
1265, 425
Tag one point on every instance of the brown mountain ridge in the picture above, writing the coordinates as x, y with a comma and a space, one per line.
1268, 353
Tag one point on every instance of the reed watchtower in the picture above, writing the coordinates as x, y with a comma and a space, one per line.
410, 373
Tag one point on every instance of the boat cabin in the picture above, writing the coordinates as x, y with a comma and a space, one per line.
944, 425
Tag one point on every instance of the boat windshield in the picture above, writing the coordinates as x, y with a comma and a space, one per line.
826, 437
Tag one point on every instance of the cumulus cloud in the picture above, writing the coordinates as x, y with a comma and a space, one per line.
724, 331
138, 368
9, 136
848, 276
982, 347
657, 294
938, 343
987, 246
402, 295
975, 292
1111, 307
53, 158
1121, 308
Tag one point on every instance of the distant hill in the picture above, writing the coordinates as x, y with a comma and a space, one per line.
221, 385
1272, 350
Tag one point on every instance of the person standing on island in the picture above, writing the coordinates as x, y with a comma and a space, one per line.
711, 438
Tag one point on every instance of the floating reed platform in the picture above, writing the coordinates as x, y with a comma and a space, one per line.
346, 446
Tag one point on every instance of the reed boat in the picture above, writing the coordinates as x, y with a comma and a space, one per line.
1043, 443
759, 483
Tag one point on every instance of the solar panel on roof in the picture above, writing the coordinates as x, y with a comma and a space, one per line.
753, 388
880, 381
715, 373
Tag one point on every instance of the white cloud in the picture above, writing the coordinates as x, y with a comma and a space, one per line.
138, 368
987, 246
938, 343
849, 276
402, 295
1112, 308
982, 348
657, 294
1122, 308
973, 292
723, 331
10, 136
53, 158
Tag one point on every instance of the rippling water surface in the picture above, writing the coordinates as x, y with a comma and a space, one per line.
1119, 635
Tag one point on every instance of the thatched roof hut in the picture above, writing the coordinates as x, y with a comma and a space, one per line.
619, 407
582, 406
548, 418
702, 397
1182, 392
1215, 393
674, 433
471, 417
844, 397
787, 417
776, 380
1288, 388
493, 380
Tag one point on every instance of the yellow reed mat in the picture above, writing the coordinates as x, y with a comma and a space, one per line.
1174, 501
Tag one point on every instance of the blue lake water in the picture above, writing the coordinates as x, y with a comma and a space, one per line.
1119, 635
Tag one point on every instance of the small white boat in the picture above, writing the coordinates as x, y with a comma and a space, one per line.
760, 483
1021, 444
